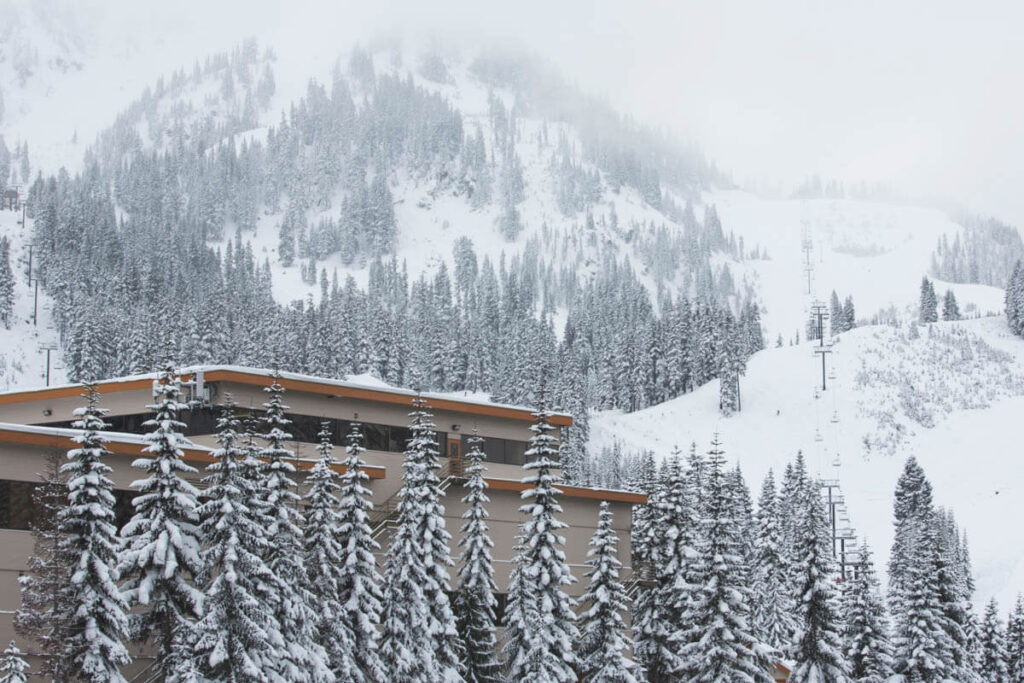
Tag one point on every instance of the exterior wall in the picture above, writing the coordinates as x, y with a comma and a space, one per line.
25, 463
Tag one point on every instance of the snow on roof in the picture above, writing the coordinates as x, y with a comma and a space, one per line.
363, 381
115, 437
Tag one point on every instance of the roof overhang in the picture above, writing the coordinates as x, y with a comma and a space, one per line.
332, 388
132, 444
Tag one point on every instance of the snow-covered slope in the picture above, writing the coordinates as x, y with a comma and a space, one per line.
951, 398
22, 347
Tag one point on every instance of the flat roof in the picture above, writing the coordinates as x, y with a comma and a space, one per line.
332, 388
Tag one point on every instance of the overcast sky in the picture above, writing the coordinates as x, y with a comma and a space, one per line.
925, 96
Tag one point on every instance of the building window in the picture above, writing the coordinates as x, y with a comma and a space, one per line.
17, 509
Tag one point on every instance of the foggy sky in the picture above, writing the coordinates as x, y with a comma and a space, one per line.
924, 96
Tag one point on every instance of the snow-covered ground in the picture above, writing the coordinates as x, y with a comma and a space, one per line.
885, 388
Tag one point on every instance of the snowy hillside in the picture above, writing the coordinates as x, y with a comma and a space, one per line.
948, 398
579, 211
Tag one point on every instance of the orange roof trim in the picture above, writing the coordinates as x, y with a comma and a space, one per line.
573, 491
64, 443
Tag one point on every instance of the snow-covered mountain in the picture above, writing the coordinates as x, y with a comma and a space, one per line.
595, 189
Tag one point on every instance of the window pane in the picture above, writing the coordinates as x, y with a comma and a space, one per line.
515, 452
494, 449
376, 437
16, 507
398, 439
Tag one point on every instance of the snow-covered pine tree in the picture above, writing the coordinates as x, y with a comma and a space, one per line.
773, 615
293, 603
1015, 642
650, 632
602, 648
540, 622
43, 615
160, 556
474, 600
358, 581
721, 647
993, 646
95, 607
950, 308
324, 540
818, 652
866, 632
922, 650
13, 667
912, 503
6, 284
929, 303
419, 640
238, 637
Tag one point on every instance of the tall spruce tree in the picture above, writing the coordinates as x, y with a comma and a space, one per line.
929, 303
818, 652
1015, 642
324, 539
540, 622
474, 600
6, 284
160, 557
722, 647
993, 646
238, 638
304, 658
95, 607
651, 631
358, 581
865, 636
44, 613
13, 667
419, 639
602, 651
773, 616
922, 649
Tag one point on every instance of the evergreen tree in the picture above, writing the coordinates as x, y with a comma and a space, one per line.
950, 308
993, 647
95, 606
161, 544
836, 314
602, 649
929, 312
6, 284
722, 647
922, 650
849, 314
818, 652
419, 636
304, 658
324, 539
1015, 643
865, 637
238, 637
773, 616
13, 667
358, 581
539, 620
44, 613
474, 601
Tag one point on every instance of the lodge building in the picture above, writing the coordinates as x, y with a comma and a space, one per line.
35, 424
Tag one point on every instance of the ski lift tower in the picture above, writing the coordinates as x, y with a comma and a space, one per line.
819, 314
808, 248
